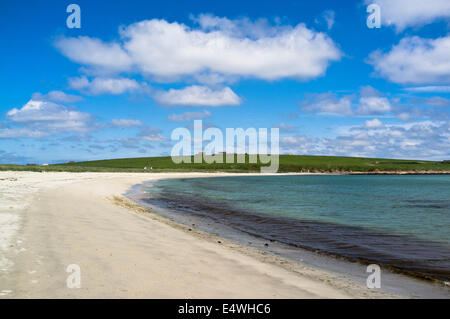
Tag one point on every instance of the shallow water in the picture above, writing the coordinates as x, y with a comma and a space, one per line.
401, 222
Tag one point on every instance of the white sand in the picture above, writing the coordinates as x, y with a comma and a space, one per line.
51, 220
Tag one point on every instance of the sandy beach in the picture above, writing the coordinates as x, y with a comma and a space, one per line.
49, 221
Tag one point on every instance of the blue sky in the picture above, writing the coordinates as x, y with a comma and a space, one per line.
136, 70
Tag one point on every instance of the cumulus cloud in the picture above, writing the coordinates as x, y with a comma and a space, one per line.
189, 116
218, 45
210, 78
43, 118
242, 27
328, 104
197, 95
407, 13
102, 85
57, 97
375, 123
415, 60
125, 122
291, 52
331, 104
370, 102
409, 112
369, 105
418, 140
42, 111
95, 53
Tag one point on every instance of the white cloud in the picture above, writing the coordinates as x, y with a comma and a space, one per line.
56, 96
427, 89
407, 13
373, 105
94, 52
80, 83
415, 61
328, 104
125, 122
42, 111
436, 101
241, 28
218, 45
210, 78
171, 49
295, 140
104, 85
43, 118
189, 116
151, 134
404, 116
328, 18
375, 123
196, 95
419, 140
370, 102
21, 133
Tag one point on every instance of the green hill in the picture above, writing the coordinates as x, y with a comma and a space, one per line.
288, 163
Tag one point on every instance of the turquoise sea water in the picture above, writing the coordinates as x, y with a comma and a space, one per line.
400, 221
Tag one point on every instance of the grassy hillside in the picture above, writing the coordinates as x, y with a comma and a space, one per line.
288, 163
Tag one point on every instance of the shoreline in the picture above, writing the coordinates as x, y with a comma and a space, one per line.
51, 169
124, 251
258, 253
398, 281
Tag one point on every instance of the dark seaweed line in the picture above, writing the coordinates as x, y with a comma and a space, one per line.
187, 205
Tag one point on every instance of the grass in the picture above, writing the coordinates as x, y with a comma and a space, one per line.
288, 163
